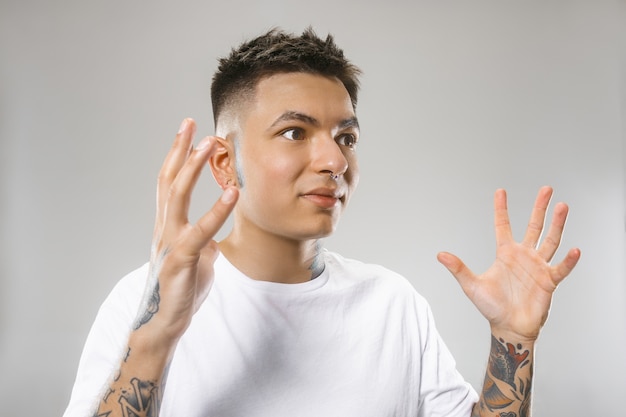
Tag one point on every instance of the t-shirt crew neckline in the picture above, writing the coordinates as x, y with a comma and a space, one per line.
231, 273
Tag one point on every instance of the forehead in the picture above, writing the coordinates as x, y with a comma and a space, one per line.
323, 98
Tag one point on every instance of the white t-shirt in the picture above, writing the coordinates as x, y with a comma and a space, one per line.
356, 341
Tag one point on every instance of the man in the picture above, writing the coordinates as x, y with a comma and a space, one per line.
267, 322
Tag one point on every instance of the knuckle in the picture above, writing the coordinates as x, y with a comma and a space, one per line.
165, 176
502, 223
173, 191
209, 224
552, 242
202, 229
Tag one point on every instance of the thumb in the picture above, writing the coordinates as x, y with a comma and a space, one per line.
458, 269
209, 224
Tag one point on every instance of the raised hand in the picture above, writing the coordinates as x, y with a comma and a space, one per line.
515, 293
181, 273
181, 265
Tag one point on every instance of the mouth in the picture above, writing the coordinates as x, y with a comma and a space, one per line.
326, 198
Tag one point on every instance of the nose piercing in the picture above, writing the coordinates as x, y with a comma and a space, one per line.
334, 176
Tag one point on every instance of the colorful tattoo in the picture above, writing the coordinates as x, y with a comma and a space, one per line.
505, 360
494, 398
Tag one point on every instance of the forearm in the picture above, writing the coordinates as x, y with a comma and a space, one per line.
508, 380
138, 385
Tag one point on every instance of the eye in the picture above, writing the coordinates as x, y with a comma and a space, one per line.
293, 134
347, 139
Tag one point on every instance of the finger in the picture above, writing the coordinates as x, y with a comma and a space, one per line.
181, 188
501, 218
459, 270
174, 161
564, 268
551, 243
537, 217
210, 223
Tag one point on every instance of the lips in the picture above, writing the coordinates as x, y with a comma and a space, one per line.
324, 197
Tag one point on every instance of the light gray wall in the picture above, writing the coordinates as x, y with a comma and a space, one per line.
459, 98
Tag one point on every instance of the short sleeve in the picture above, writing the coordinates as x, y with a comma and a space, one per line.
106, 343
443, 391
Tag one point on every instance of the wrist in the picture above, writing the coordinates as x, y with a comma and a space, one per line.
507, 335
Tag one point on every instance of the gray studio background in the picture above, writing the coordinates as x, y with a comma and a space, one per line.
459, 98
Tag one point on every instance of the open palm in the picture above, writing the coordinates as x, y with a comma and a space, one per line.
515, 293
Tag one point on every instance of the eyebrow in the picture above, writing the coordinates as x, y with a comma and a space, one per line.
352, 122
290, 115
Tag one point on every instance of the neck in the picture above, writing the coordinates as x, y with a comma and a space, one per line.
274, 258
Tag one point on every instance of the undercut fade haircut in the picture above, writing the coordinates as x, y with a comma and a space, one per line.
279, 52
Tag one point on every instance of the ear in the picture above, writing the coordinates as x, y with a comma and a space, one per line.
222, 163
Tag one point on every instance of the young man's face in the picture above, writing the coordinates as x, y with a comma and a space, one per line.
296, 156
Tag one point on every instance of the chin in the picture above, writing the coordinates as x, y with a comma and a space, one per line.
316, 233
324, 232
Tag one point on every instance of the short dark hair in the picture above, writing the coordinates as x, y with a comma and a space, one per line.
279, 52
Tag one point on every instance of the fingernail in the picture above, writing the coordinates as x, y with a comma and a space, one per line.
204, 143
183, 126
229, 195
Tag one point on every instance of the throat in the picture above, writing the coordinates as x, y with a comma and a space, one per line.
275, 261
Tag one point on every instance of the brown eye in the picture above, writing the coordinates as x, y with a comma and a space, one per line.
348, 140
293, 134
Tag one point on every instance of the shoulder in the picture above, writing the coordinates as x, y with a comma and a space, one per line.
128, 291
356, 270
351, 272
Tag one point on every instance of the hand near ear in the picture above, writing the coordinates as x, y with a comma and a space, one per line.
182, 253
515, 293
181, 274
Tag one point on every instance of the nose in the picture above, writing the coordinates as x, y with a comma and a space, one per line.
328, 157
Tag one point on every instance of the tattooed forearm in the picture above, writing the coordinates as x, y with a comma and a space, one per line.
508, 381
136, 389
151, 308
108, 394
141, 399
504, 361
152, 297
493, 398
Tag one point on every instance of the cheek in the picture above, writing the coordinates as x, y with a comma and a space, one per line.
353, 171
269, 173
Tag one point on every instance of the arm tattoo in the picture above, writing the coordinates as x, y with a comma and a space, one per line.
494, 398
503, 387
142, 400
151, 308
109, 392
504, 362
150, 303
